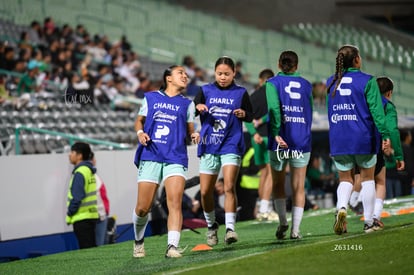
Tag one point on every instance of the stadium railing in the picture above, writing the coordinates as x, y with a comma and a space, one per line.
69, 137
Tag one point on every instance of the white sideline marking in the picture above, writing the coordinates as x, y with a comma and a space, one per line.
216, 263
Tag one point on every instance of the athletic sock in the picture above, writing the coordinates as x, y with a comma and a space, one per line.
297, 214
210, 218
230, 220
379, 204
343, 193
140, 224
353, 201
264, 206
174, 238
281, 210
368, 200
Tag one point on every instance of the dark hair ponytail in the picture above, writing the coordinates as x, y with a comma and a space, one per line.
288, 60
167, 72
344, 60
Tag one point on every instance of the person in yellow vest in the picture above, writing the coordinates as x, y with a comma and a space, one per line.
82, 209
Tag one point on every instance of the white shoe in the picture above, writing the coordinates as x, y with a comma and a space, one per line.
173, 252
139, 251
273, 216
261, 217
231, 237
212, 238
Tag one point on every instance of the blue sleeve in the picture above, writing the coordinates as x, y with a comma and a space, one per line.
78, 193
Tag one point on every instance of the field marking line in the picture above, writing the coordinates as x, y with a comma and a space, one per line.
263, 252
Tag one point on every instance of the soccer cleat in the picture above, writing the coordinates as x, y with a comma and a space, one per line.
358, 209
173, 252
378, 225
340, 222
230, 237
368, 228
212, 238
261, 217
273, 216
268, 216
139, 251
295, 236
281, 231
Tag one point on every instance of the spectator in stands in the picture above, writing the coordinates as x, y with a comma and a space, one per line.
82, 209
198, 81
144, 86
289, 100
7, 60
79, 35
28, 86
159, 157
222, 106
125, 44
5, 97
103, 207
240, 76
189, 65
24, 41
36, 35
259, 140
355, 113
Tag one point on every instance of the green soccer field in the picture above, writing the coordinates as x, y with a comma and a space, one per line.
389, 251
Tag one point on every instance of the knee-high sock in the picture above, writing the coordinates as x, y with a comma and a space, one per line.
343, 192
353, 201
379, 204
297, 214
281, 210
368, 200
140, 224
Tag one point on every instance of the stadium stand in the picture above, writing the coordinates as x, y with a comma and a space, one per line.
158, 45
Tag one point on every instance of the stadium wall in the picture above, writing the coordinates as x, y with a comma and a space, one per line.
34, 193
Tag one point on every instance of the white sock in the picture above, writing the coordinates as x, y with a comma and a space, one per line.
174, 238
343, 193
270, 207
140, 224
297, 214
368, 200
281, 210
379, 203
230, 220
210, 218
353, 201
264, 206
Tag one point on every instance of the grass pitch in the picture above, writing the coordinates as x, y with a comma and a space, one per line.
389, 251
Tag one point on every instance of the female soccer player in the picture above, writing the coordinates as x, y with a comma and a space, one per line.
222, 106
289, 99
162, 125
355, 110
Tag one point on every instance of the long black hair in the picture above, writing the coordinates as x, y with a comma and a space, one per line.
167, 72
344, 60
